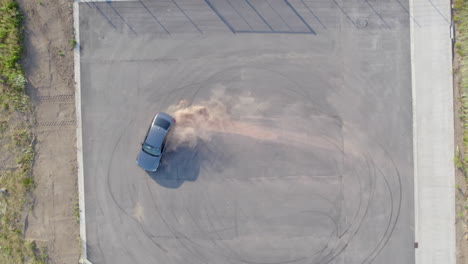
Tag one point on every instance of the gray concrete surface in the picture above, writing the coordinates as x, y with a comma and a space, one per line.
79, 136
433, 132
324, 172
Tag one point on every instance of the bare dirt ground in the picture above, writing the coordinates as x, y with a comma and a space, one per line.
461, 182
48, 64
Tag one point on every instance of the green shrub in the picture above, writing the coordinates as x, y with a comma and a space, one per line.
72, 43
28, 183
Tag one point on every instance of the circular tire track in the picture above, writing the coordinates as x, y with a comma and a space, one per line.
336, 243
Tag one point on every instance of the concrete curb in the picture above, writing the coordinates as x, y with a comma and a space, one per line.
79, 135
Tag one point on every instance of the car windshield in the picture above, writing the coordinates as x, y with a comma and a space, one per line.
151, 150
162, 123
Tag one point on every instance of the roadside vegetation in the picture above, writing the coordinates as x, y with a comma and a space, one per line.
16, 143
460, 67
461, 78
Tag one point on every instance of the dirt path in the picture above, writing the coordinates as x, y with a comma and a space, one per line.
48, 65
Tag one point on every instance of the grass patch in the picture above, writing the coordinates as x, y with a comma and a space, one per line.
76, 210
15, 141
14, 249
21, 137
461, 48
72, 43
3, 127
458, 4
458, 159
11, 45
25, 159
11, 98
28, 183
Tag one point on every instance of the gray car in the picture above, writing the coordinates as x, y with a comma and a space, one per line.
153, 146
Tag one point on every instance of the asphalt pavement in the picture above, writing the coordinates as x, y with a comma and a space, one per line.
311, 160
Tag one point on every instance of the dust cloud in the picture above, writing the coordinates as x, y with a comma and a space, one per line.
201, 121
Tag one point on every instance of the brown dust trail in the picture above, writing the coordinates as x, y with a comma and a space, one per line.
202, 121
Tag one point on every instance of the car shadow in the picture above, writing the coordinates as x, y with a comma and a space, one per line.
178, 166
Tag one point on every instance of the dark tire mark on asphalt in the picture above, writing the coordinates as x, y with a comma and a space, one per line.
340, 239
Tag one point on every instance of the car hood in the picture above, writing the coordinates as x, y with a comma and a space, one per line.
148, 162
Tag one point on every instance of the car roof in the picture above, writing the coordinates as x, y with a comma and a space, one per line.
157, 134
